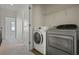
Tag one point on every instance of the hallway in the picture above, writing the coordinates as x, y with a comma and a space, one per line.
15, 47
14, 21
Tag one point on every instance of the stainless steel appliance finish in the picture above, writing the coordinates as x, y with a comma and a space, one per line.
61, 42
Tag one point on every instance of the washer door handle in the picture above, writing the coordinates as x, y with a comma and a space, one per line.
41, 38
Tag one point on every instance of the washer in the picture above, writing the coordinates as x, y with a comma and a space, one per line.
39, 38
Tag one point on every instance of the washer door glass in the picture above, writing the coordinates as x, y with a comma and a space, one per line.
38, 38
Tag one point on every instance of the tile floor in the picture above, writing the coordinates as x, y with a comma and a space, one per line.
14, 47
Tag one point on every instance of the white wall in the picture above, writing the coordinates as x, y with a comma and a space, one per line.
5, 13
37, 16
69, 15
52, 15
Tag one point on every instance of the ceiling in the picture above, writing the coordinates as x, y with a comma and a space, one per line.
56, 7
46, 7
14, 7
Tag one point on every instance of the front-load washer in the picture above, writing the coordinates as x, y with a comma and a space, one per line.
39, 39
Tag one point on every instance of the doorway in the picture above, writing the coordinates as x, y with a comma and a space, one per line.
16, 30
10, 29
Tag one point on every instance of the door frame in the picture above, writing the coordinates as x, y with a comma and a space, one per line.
5, 26
30, 28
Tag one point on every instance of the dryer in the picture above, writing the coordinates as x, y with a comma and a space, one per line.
39, 39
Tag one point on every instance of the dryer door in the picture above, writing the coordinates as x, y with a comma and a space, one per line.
38, 37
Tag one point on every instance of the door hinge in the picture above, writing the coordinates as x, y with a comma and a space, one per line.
29, 42
29, 7
29, 25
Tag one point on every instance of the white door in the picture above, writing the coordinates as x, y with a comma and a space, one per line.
10, 28
27, 27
